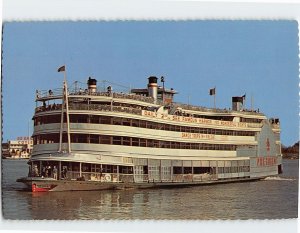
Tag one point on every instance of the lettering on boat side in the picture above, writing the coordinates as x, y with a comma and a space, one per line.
197, 136
266, 161
193, 119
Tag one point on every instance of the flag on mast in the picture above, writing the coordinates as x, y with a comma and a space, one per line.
212, 91
61, 69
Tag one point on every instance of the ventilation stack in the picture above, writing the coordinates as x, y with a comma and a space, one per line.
92, 85
237, 103
152, 87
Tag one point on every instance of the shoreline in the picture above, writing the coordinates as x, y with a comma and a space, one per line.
291, 156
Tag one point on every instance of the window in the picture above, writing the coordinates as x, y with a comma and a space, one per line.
167, 127
116, 140
94, 138
117, 121
105, 139
105, 120
187, 170
143, 124
126, 122
142, 142
177, 170
135, 123
126, 141
135, 142
195, 146
107, 168
94, 119
126, 170
155, 143
150, 143
82, 138
82, 118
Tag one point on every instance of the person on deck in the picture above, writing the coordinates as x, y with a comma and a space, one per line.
44, 173
55, 172
48, 171
64, 173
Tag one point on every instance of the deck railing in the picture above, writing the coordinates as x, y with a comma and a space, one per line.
130, 178
41, 95
100, 177
215, 110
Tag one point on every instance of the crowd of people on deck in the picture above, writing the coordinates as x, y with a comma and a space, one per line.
47, 172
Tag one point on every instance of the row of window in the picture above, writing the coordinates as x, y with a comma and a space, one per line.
129, 141
250, 120
93, 119
176, 170
105, 168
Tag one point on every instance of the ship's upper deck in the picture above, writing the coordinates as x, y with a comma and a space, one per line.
76, 94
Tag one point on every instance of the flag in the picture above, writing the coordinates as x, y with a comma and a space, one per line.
244, 96
212, 91
60, 69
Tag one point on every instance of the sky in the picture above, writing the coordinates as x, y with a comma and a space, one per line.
256, 58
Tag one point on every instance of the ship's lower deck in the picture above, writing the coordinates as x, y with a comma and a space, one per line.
46, 185
59, 175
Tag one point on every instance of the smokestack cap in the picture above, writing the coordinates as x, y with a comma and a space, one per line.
91, 81
237, 99
152, 79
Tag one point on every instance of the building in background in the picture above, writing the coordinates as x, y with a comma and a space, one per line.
19, 148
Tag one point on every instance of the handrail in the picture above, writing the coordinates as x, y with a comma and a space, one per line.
42, 95
218, 110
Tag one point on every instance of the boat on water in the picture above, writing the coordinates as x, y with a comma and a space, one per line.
93, 139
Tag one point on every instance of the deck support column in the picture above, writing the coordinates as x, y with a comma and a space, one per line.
192, 170
80, 173
40, 168
160, 169
217, 170
59, 170
182, 171
118, 176
172, 170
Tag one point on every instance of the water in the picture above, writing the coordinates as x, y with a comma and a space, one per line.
274, 197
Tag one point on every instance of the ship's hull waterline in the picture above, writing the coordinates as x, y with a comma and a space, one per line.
39, 185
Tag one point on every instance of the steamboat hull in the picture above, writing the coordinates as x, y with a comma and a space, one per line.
71, 185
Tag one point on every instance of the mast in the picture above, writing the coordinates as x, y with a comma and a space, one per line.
61, 120
68, 118
65, 104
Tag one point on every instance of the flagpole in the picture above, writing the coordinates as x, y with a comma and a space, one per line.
251, 102
215, 98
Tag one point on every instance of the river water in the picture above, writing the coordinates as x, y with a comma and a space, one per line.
272, 198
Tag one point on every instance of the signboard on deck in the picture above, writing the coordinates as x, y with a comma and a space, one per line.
193, 119
24, 140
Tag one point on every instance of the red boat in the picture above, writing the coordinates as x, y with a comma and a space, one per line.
41, 188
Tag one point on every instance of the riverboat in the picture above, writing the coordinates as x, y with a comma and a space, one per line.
93, 138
